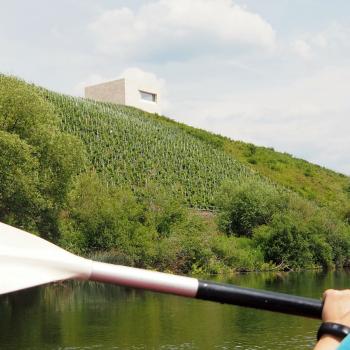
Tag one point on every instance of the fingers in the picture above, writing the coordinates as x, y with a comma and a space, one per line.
336, 293
336, 304
329, 292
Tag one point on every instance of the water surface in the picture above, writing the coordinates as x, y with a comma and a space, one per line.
76, 315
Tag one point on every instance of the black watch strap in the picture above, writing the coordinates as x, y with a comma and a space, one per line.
335, 329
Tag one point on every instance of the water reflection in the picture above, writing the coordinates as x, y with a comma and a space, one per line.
77, 315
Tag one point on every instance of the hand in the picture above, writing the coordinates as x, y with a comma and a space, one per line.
336, 306
336, 309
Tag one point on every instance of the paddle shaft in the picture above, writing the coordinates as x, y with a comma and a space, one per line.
265, 300
206, 290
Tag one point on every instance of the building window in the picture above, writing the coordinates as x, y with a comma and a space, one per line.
148, 96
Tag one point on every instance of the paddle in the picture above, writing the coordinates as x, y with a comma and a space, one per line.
27, 261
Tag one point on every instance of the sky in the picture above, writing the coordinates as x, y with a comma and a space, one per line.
275, 73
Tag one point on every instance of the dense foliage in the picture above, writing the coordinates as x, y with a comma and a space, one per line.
37, 159
288, 230
146, 228
127, 185
244, 206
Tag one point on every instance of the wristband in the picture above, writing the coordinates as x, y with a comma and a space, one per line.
335, 329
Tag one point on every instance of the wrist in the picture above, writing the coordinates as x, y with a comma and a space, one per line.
327, 342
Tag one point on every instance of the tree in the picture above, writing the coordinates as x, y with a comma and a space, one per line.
37, 160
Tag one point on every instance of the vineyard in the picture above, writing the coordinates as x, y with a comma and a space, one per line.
128, 148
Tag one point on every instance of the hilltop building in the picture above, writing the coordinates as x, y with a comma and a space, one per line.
131, 92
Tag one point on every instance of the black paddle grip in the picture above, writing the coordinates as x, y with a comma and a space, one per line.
265, 300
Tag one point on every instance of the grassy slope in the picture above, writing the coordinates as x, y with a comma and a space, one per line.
128, 147
196, 160
326, 187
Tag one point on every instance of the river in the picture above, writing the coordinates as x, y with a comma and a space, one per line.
85, 315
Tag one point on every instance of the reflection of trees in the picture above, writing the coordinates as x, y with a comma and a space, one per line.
75, 314
23, 320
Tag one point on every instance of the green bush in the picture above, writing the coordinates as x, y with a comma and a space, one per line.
38, 161
323, 253
164, 208
20, 195
285, 241
294, 240
237, 253
148, 228
339, 240
102, 218
187, 245
244, 206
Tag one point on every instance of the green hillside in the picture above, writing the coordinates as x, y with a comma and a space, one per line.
114, 180
328, 188
324, 186
128, 147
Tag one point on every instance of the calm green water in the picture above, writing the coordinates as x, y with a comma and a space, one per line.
96, 316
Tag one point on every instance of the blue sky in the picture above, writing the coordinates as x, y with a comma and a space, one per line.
272, 72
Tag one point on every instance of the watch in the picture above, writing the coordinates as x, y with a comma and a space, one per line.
335, 329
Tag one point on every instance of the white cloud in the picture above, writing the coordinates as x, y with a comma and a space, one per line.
320, 40
168, 30
331, 43
135, 73
302, 49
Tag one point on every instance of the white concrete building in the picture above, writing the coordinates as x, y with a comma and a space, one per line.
127, 91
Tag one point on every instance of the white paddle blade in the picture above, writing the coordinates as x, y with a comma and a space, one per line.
27, 261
